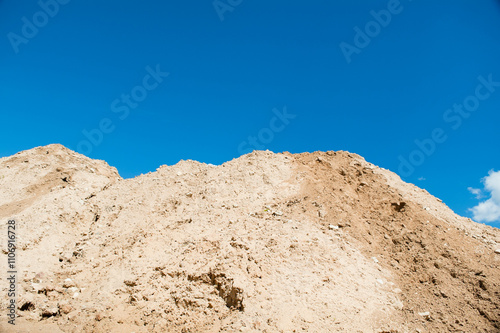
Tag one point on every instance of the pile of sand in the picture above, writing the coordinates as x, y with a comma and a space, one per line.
321, 242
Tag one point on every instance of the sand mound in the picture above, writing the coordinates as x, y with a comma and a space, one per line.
320, 242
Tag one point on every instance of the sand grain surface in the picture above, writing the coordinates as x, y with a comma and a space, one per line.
313, 242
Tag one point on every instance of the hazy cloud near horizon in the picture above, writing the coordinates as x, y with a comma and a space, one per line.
488, 210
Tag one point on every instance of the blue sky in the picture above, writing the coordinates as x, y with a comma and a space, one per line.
369, 77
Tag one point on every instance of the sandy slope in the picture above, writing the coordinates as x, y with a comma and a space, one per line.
321, 242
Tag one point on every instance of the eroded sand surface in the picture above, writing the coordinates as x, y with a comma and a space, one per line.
320, 242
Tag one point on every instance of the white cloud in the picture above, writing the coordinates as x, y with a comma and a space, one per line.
421, 179
489, 210
477, 192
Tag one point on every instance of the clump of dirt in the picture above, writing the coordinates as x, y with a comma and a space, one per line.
317, 242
